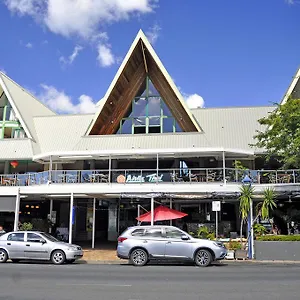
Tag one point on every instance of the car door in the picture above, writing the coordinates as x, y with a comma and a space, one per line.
36, 247
176, 247
154, 242
16, 245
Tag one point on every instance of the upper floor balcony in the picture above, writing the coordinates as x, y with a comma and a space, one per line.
154, 176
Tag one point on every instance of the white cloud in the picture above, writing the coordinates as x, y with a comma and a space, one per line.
105, 55
194, 101
69, 60
290, 2
29, 45
62, 103
153, 33
79, 17
2, 70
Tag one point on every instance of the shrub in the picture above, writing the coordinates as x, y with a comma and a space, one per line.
279, 238
259, 229
232, 245
26, 226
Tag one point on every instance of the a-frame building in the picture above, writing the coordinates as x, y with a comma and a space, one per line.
141, 67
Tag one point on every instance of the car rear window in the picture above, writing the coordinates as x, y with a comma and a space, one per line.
138, 232
17, 237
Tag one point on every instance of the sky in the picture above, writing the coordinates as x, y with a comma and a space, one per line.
218, 52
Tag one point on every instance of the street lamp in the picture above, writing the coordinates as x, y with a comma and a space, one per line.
248, 181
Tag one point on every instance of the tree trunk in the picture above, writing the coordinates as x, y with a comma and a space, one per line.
241, 233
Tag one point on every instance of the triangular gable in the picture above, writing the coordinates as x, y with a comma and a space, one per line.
140, 61
24, 105
293, 89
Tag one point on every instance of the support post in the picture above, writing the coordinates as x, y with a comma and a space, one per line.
157, 166
250, 229
71, 218
224, 167
50, 169
17, 209
152, 211
139, 210
109, 169
217, 225
171, 206
94, 223
50, 211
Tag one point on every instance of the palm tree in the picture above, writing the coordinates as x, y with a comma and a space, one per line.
246, 196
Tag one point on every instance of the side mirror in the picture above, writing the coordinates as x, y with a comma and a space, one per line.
185, 237
43, 242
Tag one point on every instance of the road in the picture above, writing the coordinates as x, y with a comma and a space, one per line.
241, 281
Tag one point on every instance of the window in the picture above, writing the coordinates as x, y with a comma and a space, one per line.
173, 234
153, 232
148, 113
16, 237
33, 238
138, 232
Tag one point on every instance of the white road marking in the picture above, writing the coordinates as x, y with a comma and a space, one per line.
94, 284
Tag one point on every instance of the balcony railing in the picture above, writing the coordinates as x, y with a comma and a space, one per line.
159, 176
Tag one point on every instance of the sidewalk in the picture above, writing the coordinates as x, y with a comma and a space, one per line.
108, 256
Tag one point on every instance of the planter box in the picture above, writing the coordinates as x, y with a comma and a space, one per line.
230, 255
241, 254
277, 250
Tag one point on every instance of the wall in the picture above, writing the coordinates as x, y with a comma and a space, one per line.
277, 250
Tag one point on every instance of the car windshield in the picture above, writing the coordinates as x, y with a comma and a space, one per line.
49, 237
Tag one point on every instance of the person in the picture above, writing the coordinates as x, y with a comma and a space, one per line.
2, 231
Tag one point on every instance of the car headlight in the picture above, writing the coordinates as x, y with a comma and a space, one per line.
72, 248
218, 244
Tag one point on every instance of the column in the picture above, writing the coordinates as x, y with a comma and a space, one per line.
224, 167
71, 218
17, 210
152, 211
94, 223
50, 213
171, 206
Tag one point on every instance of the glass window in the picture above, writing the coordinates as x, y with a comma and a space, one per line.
34, 238
138, 232
126, 126
177, 127
154, 106
153, 232
152, 91
168, 124
139, 107
173, 234
17, 237
139, 122
165, 109
49, 237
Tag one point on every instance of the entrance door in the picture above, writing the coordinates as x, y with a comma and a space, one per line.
36, 247
175, 246
16, 245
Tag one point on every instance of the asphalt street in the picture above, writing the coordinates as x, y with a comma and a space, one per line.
125, 282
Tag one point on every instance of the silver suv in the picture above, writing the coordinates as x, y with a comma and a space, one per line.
140, 244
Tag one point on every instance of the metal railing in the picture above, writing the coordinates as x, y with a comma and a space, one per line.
130, 176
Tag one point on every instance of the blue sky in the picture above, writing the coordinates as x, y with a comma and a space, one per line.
230, 52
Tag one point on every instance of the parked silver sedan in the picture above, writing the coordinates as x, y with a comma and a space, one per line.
140, 244
34, 245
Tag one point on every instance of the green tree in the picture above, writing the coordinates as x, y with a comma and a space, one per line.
246, 196
281, 137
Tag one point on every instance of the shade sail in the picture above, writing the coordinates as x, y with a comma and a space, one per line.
162, 213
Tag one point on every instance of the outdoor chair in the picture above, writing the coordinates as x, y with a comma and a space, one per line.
211, 176
194, 178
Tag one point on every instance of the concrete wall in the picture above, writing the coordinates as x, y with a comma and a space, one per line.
277, 250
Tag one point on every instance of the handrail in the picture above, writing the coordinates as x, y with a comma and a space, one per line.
170, 175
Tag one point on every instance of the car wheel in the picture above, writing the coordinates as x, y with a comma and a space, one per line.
139, 257
58, 257
70, 261
15, 261
203, 258
3, 256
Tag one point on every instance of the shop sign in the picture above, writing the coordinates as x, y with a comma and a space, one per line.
140, 178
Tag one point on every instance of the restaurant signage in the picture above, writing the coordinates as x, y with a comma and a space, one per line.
136, 177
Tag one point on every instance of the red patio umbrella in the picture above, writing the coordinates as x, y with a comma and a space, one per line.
162, 213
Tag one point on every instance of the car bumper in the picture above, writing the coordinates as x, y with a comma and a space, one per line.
122, 252
74, 254
220, 253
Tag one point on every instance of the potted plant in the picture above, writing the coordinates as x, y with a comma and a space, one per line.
232, 247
